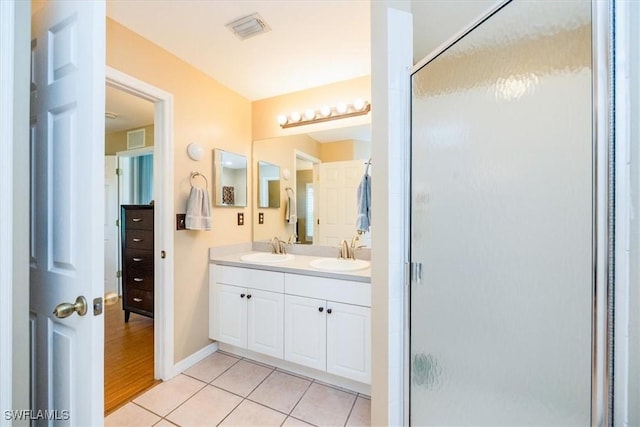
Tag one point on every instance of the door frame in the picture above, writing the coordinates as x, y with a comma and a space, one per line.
163, 324
7, 23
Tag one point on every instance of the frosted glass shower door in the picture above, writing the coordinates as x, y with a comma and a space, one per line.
501, 222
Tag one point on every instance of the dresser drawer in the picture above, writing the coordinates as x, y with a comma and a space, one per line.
139, 239
140, 219
139, 300
140, 281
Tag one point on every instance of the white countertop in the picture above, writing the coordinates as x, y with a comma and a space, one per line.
299, 265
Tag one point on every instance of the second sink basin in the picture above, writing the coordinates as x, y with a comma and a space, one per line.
333, 264
266, 257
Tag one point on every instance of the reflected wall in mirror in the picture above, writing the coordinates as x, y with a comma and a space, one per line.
268, 185
230, 172
326, 208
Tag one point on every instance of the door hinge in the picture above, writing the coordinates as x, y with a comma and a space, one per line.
416, 272
117, 223
119, 273
119, 171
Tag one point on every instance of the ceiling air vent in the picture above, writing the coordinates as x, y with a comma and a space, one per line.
248, 26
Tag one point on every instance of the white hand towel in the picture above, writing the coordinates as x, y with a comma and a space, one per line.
291, 212
363, 218
198, 210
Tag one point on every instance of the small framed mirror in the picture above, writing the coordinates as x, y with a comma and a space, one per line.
230, 172
268, 185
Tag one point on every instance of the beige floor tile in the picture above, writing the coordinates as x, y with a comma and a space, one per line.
253, 414
280, 391
207, 408
361, 413
211, 366
293, 422
167, 396
131, 415
242, 377
164, 423
323, 405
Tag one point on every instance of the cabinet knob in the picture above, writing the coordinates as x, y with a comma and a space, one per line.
329, 310
249, 296
320, 309
241, 295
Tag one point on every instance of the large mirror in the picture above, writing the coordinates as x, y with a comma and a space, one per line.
320, 174
268, 185
230, 172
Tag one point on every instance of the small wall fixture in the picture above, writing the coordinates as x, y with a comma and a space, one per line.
195, 151
324, 114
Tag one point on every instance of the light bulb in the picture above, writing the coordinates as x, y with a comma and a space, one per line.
325, 111
295, 116
282, 119
358, 104
341, 108
309, 114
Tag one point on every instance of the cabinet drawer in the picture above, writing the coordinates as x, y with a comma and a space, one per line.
257, 279
139, 239
345, 291
141, 219
139, 299
140, 281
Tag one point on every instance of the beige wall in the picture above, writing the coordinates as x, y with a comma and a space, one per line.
281, 152
212, 115
337, 151
266, 111
117, 141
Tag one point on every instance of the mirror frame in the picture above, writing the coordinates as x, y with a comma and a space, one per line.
218, 167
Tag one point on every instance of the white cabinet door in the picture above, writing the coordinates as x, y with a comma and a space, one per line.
230, 325
305, 331
265, 322
349, 341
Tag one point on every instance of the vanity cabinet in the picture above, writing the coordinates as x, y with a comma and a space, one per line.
318, 322
325, 334
247, 316
137, 260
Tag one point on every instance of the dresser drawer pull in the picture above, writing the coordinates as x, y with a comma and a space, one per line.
136, 219
137, 299
137, 279
137, 259
135, 239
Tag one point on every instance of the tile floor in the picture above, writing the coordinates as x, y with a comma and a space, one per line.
225, 390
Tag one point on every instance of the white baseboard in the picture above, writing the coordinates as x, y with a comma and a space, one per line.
189, 361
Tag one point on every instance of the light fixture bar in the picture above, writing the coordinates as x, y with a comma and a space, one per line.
352, 110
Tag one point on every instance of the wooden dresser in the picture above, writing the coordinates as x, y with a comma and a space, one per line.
137, 259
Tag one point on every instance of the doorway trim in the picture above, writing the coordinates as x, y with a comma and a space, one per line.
163, 324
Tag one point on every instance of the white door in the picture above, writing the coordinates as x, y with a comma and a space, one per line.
230, 324
265, 322
349, 341
305, 331
110, 225
67, 260
338, 194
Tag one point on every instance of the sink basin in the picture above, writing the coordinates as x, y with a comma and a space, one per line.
333, 264
266, 257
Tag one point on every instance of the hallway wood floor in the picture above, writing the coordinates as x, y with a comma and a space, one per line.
128, 356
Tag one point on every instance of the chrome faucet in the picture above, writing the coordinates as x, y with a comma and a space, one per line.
346, 251
278, 246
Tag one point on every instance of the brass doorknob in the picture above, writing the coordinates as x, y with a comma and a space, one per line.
111, 298
66, 309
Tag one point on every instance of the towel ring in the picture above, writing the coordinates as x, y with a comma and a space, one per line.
196, 174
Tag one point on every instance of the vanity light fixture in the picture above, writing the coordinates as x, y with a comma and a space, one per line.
325, 113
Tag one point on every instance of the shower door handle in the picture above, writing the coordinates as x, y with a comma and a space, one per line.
416, 272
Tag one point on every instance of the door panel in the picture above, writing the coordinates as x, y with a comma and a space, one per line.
67, 246
338, 195
305, 331
501, 222
110, 225
231, 315
349, 341
265, 321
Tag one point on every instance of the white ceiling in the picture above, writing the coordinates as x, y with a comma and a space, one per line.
311, 43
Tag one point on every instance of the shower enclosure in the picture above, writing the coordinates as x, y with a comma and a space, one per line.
503, 202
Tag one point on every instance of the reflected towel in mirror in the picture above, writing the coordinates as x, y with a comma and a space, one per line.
290, 212
363, 219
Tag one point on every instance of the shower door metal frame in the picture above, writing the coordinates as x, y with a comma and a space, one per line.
603, 209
